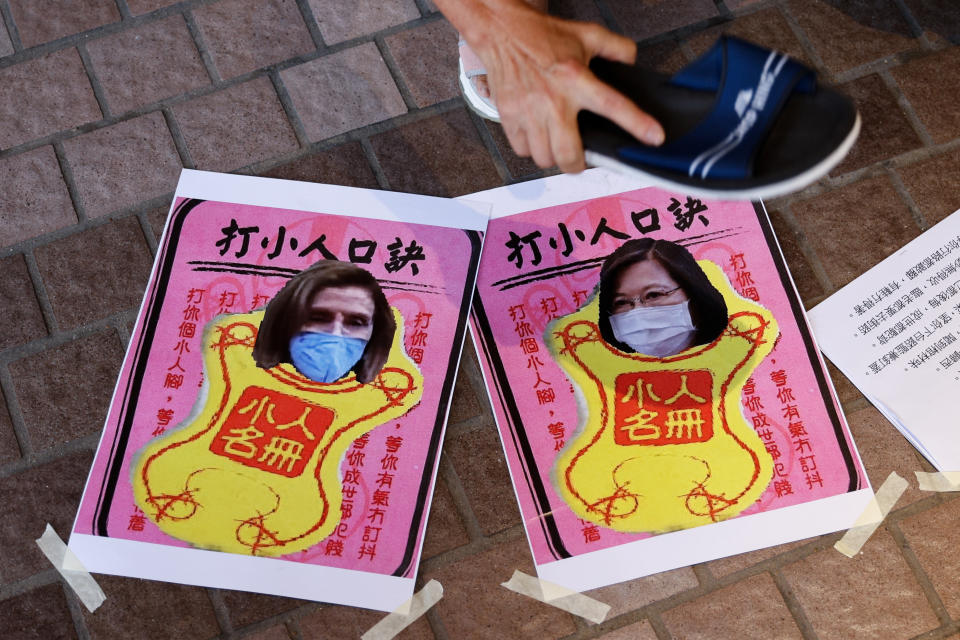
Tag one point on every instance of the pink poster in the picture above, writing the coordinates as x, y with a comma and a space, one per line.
659, 396
236, 456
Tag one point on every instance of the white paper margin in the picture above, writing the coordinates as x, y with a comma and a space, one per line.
555, 190
709, 542
331, 199
202, 568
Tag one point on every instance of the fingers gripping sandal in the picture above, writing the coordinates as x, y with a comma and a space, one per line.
470, 68
741, 122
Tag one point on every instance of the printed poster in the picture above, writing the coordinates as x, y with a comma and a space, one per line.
659, 396
277, 423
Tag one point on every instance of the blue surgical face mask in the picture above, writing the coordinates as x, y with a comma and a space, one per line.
324, 357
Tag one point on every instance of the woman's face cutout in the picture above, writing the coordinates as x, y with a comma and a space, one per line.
341, 311
648, 284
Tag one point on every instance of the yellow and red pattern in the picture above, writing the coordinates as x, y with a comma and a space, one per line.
255, 469
662, 443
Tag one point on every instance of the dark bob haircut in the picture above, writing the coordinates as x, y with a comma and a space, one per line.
289, 310
707, 307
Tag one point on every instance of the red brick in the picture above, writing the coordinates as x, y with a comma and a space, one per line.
157, 219
156, 610
445, 529
475, 606
346, 623
38, 614
634, 594
9, 448
939, 19
138, 7
247, 608
884, 449
922, 82
729, 565
874, 595
575, 10
636, 631
885, 130
753, 603
846, 390
934, 537
767, 28
6, 47
830, 220
847, 35
932, 185
276, 632
804, 277
518, 166
464, 404
478, 458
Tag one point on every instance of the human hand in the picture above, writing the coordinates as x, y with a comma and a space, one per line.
539, 77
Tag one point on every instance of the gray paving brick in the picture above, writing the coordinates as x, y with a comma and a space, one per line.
146, 63
343, 91
33, 196
364, 17
119, 166
40, 21
43, 96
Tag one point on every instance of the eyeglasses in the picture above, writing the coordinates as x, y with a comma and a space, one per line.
650, 298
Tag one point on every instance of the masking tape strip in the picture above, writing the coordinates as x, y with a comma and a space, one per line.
408, 612
886, 496
72, 570
559, 597
946, 481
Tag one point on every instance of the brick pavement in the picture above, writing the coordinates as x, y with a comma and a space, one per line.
102, 102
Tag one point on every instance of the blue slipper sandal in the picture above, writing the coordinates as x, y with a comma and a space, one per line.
741, 122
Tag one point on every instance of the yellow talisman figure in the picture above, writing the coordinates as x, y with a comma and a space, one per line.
255, 469
662, 443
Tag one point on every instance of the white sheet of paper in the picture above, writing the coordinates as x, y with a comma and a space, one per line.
894, 333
